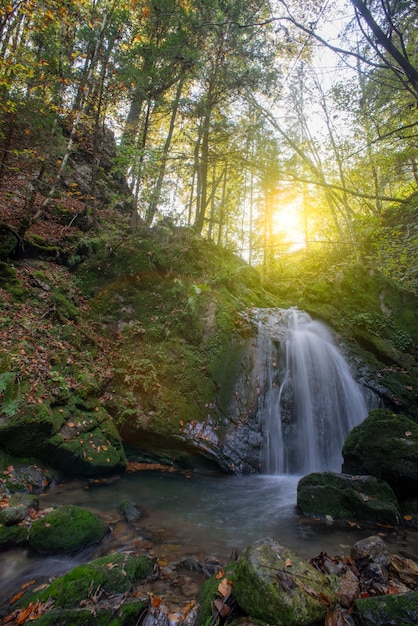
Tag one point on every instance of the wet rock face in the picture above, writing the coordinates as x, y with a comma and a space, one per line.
385, 445
340, 496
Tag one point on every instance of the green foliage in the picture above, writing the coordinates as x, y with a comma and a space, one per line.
64, 307
9, 394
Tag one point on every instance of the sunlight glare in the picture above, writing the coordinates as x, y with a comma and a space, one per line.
288, 222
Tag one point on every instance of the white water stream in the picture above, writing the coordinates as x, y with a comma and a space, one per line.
309, 400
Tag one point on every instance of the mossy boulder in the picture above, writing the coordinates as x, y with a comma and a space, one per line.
12, 536
340, 496
391, 610
66, 530
13, 515
101, 586
275, 585
385, 445
74, 438
24, 477
24, 432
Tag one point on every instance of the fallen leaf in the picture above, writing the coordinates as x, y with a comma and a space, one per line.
408, 517
28, 584
288, 563
220, 574
225, 587
17, 597
223, 609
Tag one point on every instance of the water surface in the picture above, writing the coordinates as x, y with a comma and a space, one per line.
186, 514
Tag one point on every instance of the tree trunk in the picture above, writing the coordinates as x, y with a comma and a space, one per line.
156, 194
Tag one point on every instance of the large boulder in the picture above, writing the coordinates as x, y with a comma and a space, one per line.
66, 530
74, 438
98, 591
340, 496
385, 445
275, 585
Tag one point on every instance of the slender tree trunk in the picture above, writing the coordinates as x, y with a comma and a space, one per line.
156, 194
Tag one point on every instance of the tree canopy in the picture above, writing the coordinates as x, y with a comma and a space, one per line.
265, 126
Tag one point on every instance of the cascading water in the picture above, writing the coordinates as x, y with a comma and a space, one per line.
309, 400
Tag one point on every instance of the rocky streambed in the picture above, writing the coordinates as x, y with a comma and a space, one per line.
115, 579
119, 573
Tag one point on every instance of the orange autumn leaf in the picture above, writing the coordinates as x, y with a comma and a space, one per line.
220, 574
408, 517
28, 584
225, 587
17, 597
155, 601
288, 563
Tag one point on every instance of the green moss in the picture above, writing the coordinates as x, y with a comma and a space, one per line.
8, 274
41, 245
115, 573
401, 609
347, 497
64, 307
12, 536
8, 242
209, 593
67, 529
24, 433
385, 445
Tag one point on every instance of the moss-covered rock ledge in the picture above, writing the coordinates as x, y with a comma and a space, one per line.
74, 438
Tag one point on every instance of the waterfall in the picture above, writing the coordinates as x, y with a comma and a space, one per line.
308, 398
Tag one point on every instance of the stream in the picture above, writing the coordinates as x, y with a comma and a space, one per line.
190, 515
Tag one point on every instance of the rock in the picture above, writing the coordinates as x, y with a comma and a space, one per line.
12, 515
340, 496
129, 511
72, 438
387, 610
385, 445
19, 478
405, 570
372, 548
66, 530
275, 585
17, 508
95, 592
12, 536
349, 588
